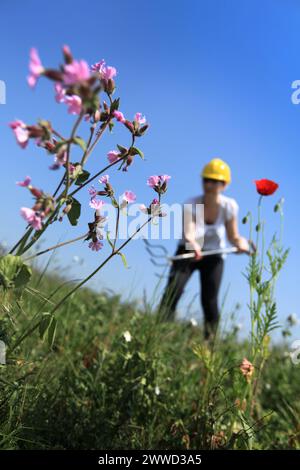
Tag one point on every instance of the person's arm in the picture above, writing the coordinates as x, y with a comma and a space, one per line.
232, 231
189, 230
234, 237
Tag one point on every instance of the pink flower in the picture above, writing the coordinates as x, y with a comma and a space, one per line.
113, 156
139, 119
74, 103
96, 203
75, 72
21, 133
31, 217
104, 179
97, 66
247, 369
96, 245
107, 72
72, 168
164, 178
60, 93
92, 191
143, 208
24, 183
155, 201
153, 181
35, 67
129, 196
59, 160
119, 116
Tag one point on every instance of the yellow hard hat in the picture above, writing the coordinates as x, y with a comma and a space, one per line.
217, 169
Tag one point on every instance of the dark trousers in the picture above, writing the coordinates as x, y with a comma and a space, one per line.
210, 274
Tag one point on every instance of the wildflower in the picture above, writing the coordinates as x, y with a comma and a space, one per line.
60, 93
104, 179
193, 322
24, 183
139, 118
129, 196
35, 67
74, 103
31, 217
153, 181
293, 319
97, 66
96, 203
143, 208
119, 116
95, 245
113, 156
127, 336
75, 72
92, 192
21, 132
157, 390
158, 183
59, 160
247, 369
266, 187
107, 72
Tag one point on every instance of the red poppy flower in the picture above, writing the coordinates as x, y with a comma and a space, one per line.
266, 187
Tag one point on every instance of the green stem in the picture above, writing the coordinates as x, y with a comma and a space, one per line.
72, 291
59, 245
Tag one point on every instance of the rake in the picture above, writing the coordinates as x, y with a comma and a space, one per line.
157, 251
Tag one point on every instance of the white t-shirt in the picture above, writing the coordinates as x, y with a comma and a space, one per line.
212, 236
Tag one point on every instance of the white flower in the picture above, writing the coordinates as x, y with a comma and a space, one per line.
193, 322
127, 336
293, 319
157, 390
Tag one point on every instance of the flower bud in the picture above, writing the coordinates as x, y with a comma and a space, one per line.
97, 115
67, 55
129, 125
110, 86
245, 219
258, 227
67, 208
36, 192
55, 75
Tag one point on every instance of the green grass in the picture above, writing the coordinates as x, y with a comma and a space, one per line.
164, 389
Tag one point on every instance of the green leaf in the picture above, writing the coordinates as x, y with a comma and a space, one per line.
52, 331
136, 151
123, 259
109, 240
74, 213
84, 176
14, 273
44, 324
115, 105
122, 149
79, 141
111, 126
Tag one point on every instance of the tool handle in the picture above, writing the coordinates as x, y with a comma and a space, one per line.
203, 253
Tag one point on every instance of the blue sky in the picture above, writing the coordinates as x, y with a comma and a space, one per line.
213, 79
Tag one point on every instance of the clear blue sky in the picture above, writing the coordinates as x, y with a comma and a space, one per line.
213, 79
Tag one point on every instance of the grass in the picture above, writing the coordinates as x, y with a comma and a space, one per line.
118, 378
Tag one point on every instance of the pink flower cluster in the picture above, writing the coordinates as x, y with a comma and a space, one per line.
158, 183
